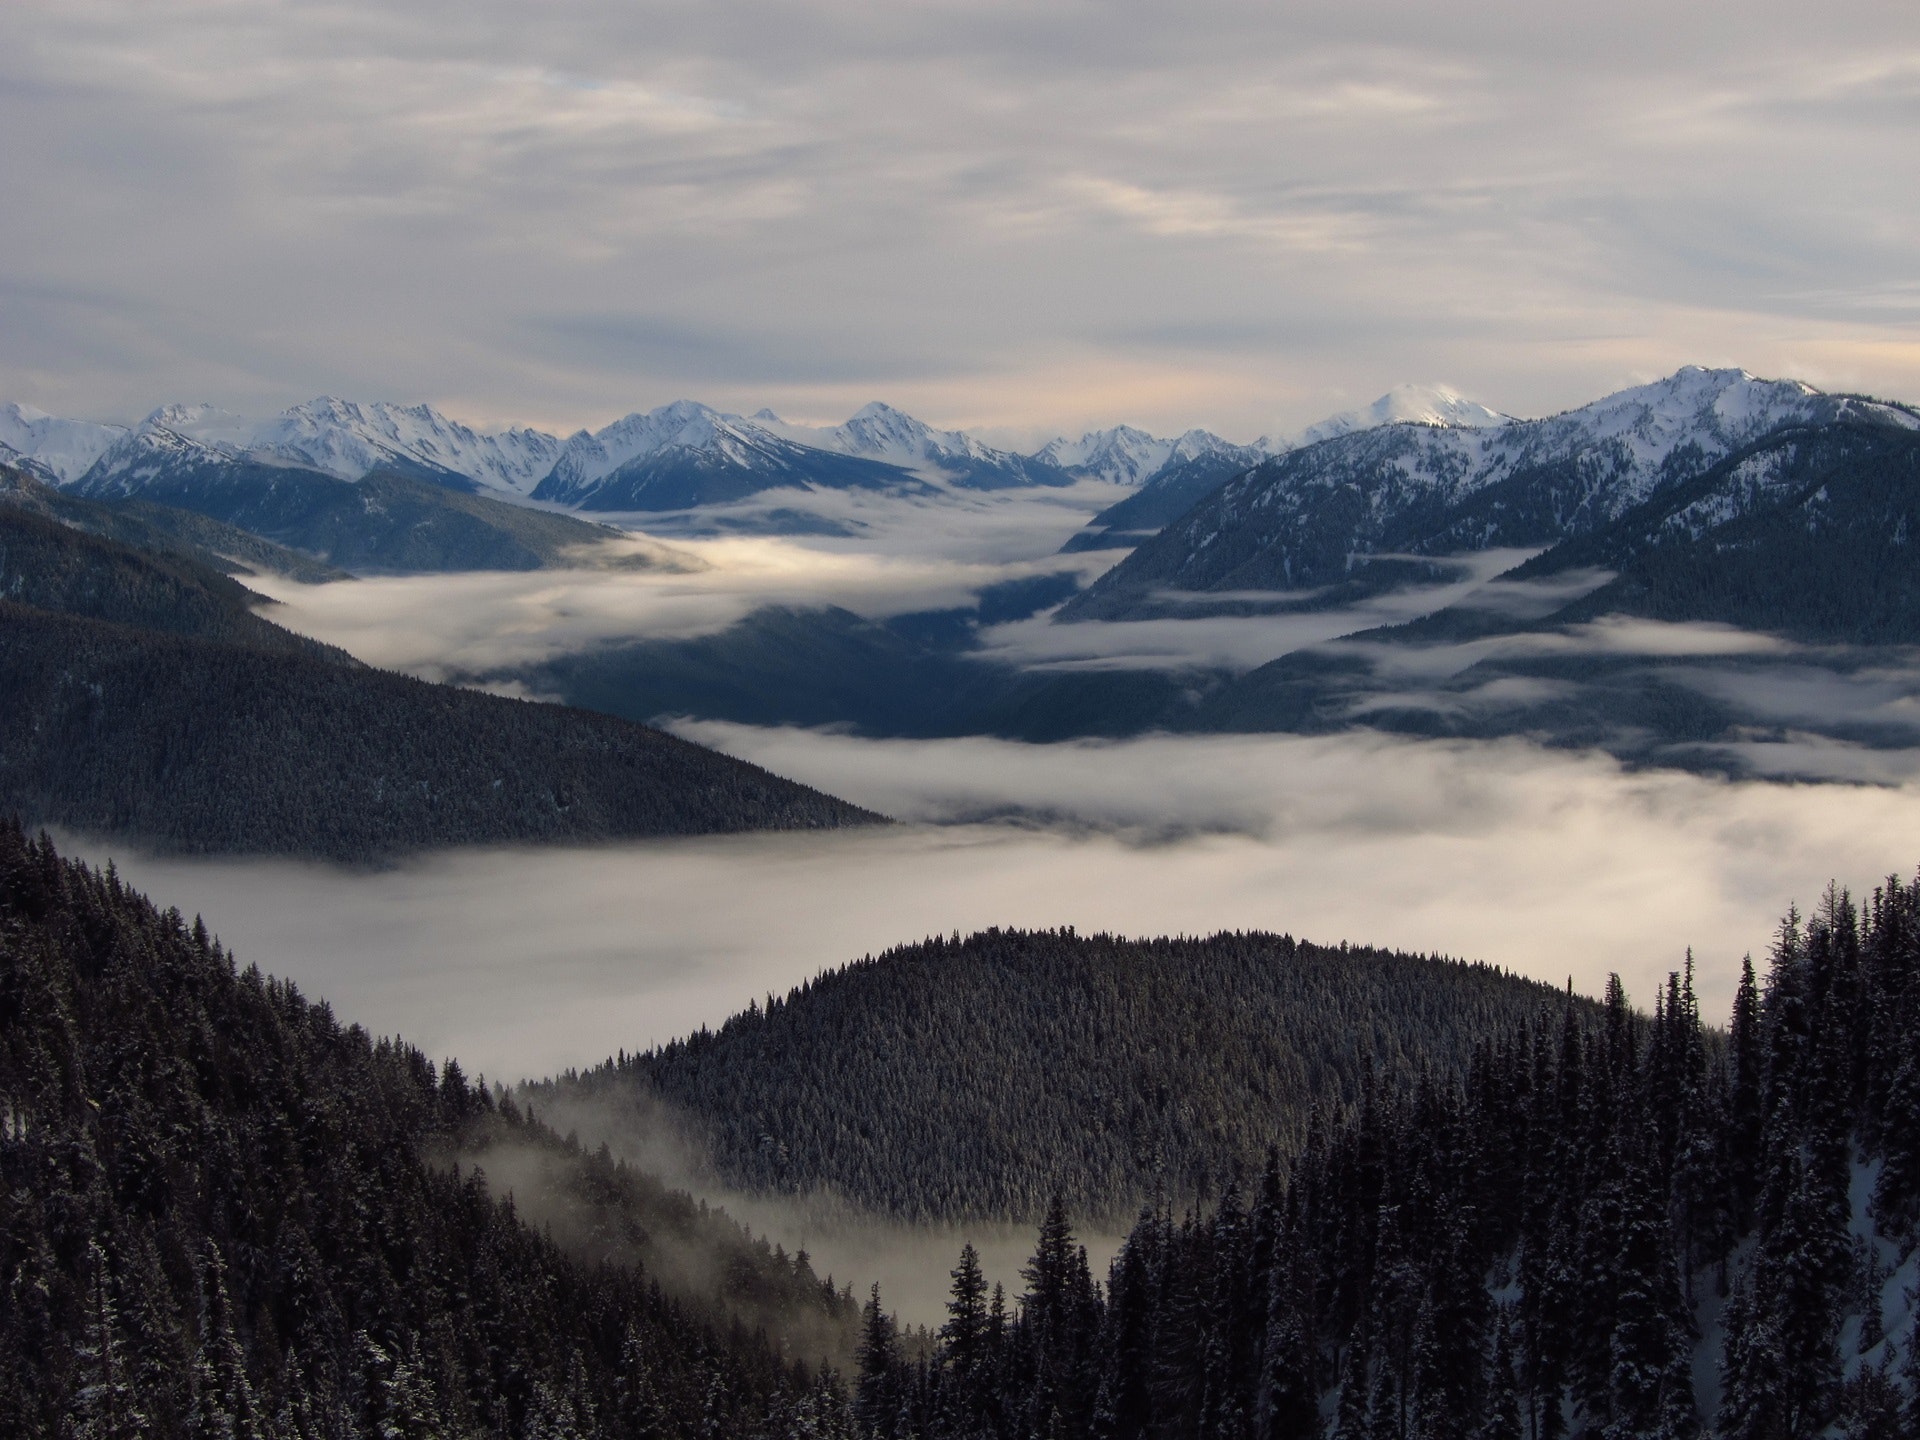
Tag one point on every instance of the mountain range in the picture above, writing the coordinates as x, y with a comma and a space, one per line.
675, 457
1361, 509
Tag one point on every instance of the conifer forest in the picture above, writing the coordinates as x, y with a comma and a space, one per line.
960, 720
227, 1214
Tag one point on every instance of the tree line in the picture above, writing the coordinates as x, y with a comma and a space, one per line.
225, 1214
973, 1078
1639, 1229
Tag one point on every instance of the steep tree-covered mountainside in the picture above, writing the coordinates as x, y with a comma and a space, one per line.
145, 698
1811, 533
1614, 1230
198, 745
224, 1214
975, 1078
164, 529
386, 521
49, 566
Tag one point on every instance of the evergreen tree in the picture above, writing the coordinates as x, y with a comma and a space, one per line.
881, 1385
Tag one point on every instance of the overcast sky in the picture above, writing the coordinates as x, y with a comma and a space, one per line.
1032, 215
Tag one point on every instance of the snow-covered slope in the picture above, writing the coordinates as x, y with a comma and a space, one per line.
890, 436
341, 438
348, 439
1124, 455
64, 449
687, 454
1402, 405
1299, 519
175, 446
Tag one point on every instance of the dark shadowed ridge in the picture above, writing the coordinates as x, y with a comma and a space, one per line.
975, 1078
222, 1212
145, 699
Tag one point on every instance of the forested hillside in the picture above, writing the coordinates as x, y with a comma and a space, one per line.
48, 566
163, 530
1617, 1231
224, 1214
974, 1078
145, 698
387, 521
200, 746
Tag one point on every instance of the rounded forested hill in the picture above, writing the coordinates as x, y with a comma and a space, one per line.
973, 1078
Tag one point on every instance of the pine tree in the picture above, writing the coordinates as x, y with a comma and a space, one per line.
223, 1401
1289, 1401
105, 1405
1502, 1411
880, 1389
968, 1371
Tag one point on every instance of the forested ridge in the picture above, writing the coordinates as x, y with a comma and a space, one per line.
1617, 1231
163, 530
975, 1078
146, 698
49, 566
222, 1213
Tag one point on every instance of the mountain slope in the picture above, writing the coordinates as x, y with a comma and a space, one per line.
1160, 501
224, 1213
1199, 464
163, 530
386, 521
47, 566
146, 699
1803, 536
976, 1078
879, 432
348, 439
204, 746
1298, 521
685, 454
63, 449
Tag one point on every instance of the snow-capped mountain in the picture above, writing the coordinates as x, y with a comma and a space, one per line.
880, 432
174, 446
687, 454
1301, 519
349, 439
1124, 455
63, 449
1402, 405
341, 438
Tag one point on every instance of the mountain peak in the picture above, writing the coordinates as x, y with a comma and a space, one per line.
1407, 404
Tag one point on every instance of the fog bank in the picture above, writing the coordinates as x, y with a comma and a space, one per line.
525, 962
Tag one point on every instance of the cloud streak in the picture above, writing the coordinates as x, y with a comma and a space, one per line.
452, 626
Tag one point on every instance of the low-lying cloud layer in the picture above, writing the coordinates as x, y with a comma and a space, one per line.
524, 962
437, 626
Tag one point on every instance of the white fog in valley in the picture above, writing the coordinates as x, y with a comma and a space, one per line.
526, 962
523, 962
1553, 863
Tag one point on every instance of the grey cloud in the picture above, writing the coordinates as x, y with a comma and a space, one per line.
705, 354
1028, 215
